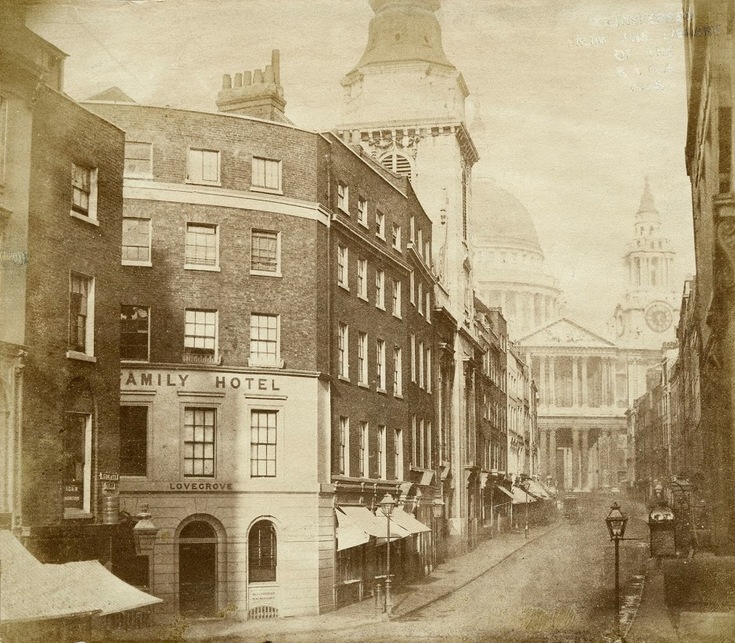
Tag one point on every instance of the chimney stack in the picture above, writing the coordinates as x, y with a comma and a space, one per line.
255, 93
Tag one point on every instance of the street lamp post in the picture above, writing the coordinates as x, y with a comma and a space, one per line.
437, 511
616, 522
386, 506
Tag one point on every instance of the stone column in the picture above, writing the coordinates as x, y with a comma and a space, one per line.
575, 459
543, 388
584, 482
552, 383
605, 458
575, 381
543, 453
552, 456
585, 384
610, 382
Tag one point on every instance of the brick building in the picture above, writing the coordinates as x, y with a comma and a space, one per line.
277, 358
60, 222
710, 151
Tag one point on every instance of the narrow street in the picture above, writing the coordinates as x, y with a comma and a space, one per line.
556, 588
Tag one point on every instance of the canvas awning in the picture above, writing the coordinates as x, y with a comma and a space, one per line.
520, 497
371, 524
349, 533
538, 490
34, 591
408, 522
505, 491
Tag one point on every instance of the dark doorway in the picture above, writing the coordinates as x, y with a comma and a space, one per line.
198, 569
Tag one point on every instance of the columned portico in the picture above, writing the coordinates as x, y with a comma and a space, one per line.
575, 460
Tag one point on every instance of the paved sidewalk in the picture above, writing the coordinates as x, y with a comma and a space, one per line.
652, 623
445, 579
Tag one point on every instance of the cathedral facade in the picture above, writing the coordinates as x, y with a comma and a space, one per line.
586, 382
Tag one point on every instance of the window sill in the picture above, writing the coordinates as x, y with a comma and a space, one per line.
77, 514
364, 224
216, 184
342, 378
258, 188
381, 391
364, 385
82, 357
344, 287
279, 363
191, 266
130, 360
398, 396
363, 298
397, 316
380, 307
263, 273
344, 211
380, 236
86, 219
143, 264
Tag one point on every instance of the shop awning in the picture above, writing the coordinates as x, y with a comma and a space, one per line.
373, 525
538, 490
97, 587
349, 534
408, 522
32, 591
520, 497
505, 491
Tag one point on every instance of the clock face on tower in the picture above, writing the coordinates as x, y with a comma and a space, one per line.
659, 317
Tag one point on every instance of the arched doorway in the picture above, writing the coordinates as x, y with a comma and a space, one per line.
198, 569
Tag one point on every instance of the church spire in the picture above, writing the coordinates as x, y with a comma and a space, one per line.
647, 218
404, 31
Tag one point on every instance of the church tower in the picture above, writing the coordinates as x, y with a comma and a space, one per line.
404, 103
645, 318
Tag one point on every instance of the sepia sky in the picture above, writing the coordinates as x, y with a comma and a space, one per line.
580, 99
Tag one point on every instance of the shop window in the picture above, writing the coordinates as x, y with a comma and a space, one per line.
263, 439
133, 440
262, 552
77, 449
199, 433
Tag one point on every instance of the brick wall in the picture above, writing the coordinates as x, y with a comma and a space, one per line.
64, 133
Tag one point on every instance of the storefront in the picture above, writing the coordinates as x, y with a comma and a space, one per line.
229, 465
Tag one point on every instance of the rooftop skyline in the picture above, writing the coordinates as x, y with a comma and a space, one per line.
579, 101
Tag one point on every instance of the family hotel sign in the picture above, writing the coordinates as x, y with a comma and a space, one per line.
199, 381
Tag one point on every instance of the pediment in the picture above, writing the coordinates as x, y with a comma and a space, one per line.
565, 332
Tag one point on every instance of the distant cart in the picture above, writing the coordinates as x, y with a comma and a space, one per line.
571, 509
